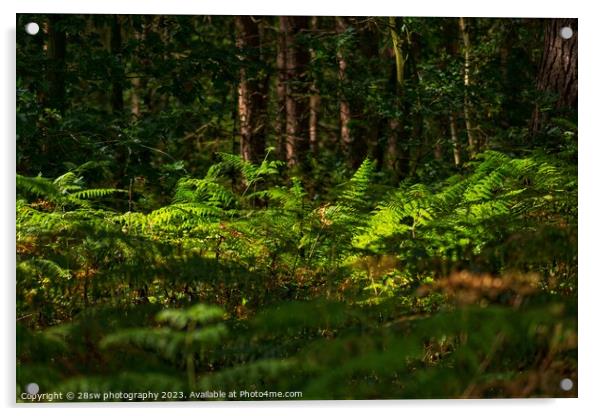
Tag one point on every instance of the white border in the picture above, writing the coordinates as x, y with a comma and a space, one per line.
590, 157
507, 8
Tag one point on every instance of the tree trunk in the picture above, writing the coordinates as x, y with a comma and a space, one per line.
396, 159
418, 137
437, 150
252, 89
472, 141
557, 69
344, 106
369, 127
393, 152
297, 103
56, 52
281, 88
314, 99
135, 98
117, 71
453, 131
138, 85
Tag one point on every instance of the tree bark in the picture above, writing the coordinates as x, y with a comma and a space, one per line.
135, 98
297, 103
368, 127
557, 69
396, 159
437, 150
281, 88
453, 131
56, 52
418, 119
314, 98
116, 71
252, 90
472, 141
344, 106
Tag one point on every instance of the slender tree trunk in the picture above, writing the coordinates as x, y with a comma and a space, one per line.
472, 141
135, 98
56, 52
314, 98
453, 131
509, 38
314, 110
395, 158
281, 88
297, 103
397, 51
344, 106
417, 134
138, 84
369, 127
116, 73
419, 139
146, 91
557, 69
437, 150
252, 90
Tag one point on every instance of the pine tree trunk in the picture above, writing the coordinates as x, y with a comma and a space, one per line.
557, 69
252, 89
281, 88
314, 98
472, 141
297, 103
344, 106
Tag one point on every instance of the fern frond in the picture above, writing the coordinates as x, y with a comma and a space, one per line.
354, 194
95, 193
69, 182
185, 213
43, 269
38, 186
198, 314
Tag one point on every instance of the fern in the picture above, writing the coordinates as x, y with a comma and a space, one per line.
95, 193
252, 174
198, 314
377, 249
355, 192
43, 269
468, 213
184, 214
38, 186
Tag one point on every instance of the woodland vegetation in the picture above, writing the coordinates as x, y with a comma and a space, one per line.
348, 207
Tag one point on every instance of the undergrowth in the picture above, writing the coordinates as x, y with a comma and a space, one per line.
462, 288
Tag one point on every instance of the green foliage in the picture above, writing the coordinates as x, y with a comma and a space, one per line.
370, 311
465, 218
186, 331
